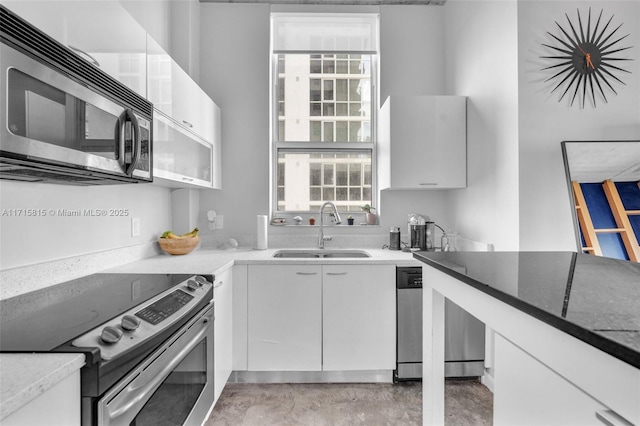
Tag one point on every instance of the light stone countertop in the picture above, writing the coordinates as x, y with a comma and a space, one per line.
27, 376
23, 377
208, 261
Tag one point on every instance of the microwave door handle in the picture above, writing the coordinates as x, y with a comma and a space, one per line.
120, 139
136, 141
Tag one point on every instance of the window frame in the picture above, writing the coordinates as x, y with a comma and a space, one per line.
277, 146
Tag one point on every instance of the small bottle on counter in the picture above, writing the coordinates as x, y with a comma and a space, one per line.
394, 238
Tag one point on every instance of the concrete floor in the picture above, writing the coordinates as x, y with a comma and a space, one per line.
467, 402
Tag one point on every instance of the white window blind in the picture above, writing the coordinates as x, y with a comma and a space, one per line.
324, 32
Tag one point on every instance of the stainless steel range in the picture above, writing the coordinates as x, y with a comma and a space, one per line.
147, 339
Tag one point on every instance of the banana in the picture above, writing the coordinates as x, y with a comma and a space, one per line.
191, 234
171, 235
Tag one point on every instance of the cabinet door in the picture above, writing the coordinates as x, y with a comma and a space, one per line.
285, 318
173, 92
101, 32
223, 340
191, 105
60, 405
423, 142
180, 158
528, 392
359, 317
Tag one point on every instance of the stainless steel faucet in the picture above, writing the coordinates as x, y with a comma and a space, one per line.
321, 237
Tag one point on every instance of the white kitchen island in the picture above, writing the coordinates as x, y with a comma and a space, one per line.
567, 339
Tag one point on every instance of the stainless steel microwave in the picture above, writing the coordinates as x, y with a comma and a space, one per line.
63, 120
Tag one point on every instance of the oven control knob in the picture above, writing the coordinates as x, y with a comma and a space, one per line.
111, 334
130, 322
201, 280
193, 285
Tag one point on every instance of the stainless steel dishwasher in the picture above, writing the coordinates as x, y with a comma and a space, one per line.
464, 334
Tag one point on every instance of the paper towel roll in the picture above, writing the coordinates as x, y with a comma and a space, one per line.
261, 240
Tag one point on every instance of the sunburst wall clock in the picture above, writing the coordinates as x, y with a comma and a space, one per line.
585, 61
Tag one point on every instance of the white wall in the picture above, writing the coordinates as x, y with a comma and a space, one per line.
481, 62
235, 73
234, 59
517, 195
29, 240
545, 213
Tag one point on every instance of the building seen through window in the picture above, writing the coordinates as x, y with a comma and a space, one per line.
324, 101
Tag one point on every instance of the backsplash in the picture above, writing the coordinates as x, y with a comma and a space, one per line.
25, 279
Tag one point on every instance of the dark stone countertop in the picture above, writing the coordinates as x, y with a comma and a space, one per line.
594, 299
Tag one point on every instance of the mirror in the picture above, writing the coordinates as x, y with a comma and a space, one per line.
604, 187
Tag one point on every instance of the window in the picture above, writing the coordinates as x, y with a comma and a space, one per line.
323, 111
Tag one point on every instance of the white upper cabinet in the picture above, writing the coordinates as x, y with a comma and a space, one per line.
101, 32
187, 130
422, 142
181, 159
173, 92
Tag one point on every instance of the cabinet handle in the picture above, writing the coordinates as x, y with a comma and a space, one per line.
187, 179
337, 273
306, 273
82, 52
186, 123
219, 284
428, 184
610, 418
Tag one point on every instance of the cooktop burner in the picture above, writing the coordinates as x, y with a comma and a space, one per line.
41, 321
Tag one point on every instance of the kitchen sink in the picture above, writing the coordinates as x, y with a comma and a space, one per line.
318, 253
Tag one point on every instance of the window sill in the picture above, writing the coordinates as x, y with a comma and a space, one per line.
303, 225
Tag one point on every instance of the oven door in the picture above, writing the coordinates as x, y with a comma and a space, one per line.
173, 386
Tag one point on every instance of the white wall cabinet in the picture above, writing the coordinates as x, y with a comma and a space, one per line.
102, 32
223, 329
181, 159
285, 318
422, 142
187, 135
359, 317
173, 92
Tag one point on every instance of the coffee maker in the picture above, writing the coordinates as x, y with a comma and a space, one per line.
421, 232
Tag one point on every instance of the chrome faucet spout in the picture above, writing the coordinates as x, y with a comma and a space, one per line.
321, 237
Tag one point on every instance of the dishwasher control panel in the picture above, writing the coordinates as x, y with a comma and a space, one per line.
409, 277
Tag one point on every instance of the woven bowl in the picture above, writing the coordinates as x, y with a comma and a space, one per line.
178, 246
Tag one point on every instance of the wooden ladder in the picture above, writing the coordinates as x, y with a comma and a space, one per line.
620, 215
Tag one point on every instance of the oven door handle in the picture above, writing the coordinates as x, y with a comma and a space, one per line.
128, 402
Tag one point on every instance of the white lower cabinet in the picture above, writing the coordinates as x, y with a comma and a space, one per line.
527, 392
321, 317
58, 406
359, 317
285, 318
223, 329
